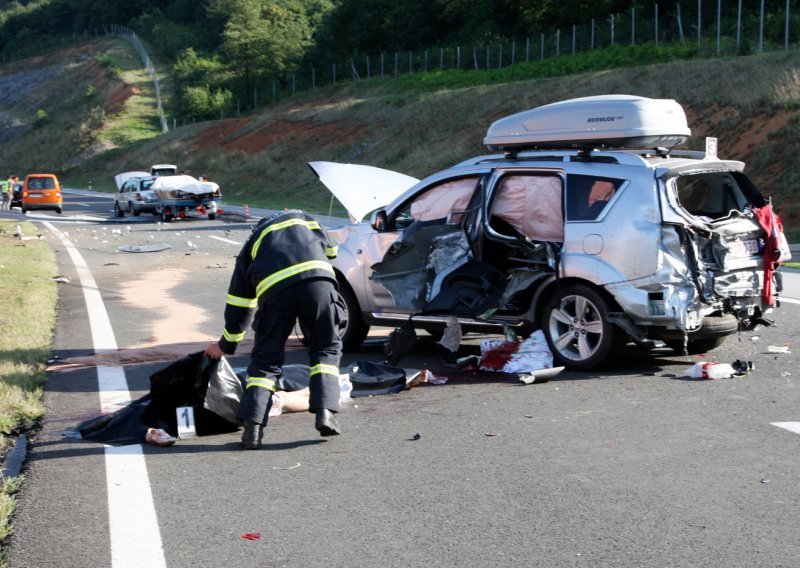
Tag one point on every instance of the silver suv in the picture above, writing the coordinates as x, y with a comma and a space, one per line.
597, 247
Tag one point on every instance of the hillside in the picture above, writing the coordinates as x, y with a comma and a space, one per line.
752, 104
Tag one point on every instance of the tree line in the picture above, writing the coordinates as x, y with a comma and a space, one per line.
219, 51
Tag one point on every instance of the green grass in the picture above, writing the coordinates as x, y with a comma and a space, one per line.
28, 299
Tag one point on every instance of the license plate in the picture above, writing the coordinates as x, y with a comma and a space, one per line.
35, 195
740, 249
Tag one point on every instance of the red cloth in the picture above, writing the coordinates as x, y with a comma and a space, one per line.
771, 223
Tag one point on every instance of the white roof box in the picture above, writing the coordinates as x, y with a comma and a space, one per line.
607, 121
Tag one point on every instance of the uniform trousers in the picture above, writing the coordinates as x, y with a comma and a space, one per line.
313, 303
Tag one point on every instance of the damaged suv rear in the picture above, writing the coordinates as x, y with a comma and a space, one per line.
587, 225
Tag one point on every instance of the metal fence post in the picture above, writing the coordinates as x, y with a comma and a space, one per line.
441, 59
699, 20
410, 61
513, 51
612, 30
527, 49
458, 57
542, 45
313, 78
500, 57
558, 43
786, 30
573, 39
633, 26
761, 29
680, 24
656, 24
738, 25
591, 40
396, 56
488, 63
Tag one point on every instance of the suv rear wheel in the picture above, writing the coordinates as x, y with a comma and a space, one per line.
575, 322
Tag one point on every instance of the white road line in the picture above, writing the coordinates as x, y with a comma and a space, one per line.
789, 300
224, 240
133, 525
791, 426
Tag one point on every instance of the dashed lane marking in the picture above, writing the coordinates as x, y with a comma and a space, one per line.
791, 426
132, 521
224, 240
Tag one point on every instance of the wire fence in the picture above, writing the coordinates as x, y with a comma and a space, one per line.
129, 35
735, 27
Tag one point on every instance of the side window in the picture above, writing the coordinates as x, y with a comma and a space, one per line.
528, 206
588, 196
439, 201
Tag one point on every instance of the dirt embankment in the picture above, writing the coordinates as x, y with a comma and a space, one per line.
751, 104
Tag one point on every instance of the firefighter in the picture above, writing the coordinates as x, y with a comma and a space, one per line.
283, 272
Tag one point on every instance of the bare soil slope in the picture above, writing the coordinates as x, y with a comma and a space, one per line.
752, 104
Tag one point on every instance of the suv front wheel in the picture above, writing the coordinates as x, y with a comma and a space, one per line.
575, 322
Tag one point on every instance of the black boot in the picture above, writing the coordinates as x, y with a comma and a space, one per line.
326, 423
251, 437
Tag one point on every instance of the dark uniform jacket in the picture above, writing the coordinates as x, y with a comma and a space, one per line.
286, 248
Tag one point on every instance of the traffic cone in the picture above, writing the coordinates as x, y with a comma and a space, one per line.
246, 212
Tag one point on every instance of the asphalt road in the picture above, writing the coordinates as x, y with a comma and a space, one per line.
635, 466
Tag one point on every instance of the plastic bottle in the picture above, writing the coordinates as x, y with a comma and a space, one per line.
706, 370
717, 371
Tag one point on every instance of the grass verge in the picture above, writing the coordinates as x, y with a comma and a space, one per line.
28, 299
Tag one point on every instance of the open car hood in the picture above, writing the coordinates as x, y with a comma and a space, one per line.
362, 189
125, 176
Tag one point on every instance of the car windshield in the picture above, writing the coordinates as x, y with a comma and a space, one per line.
41, 183
146, 184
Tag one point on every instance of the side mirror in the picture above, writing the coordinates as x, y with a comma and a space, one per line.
379, 220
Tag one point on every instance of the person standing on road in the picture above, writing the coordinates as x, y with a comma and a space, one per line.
283, 271
6, 187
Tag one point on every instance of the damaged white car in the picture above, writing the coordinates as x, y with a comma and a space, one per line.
587, 224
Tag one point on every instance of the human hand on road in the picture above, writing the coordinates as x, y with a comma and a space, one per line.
213, 351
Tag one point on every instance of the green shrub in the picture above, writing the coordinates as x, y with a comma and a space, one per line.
41, 118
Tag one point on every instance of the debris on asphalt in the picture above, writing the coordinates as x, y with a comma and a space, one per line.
540, 376
707, 370
251, 535
61, 279
144, 248
295, 466
416, 436
451, 339
527, 356
492, 434
742, 367
778, 349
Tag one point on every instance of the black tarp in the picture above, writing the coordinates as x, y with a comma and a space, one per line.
182, 383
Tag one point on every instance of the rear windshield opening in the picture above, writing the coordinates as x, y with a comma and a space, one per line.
41, 183
711, 195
